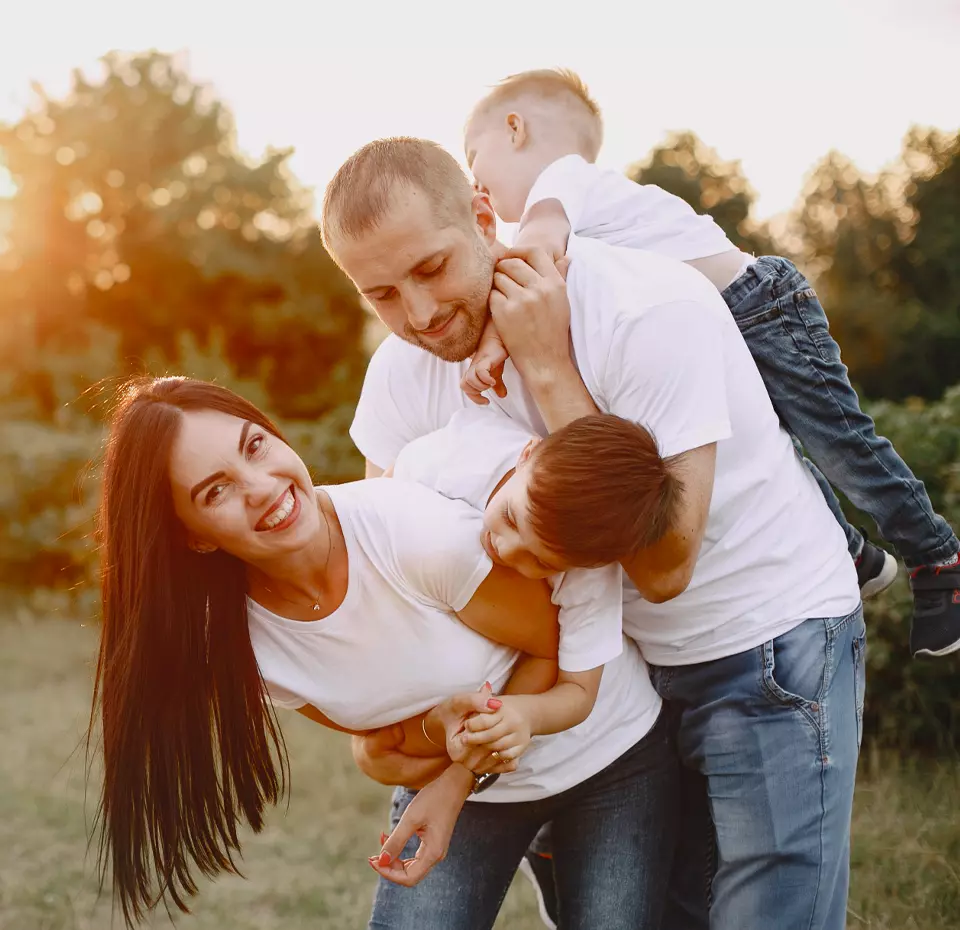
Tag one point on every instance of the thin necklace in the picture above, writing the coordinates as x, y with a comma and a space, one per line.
326, 562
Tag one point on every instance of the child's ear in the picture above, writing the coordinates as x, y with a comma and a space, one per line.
528, 451
518, 130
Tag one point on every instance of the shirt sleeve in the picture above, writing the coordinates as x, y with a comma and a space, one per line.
666, 372
591, 617
381, 425
467, 458
439, 555
282, 697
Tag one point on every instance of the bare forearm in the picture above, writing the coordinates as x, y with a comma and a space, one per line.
532, 675
560, 395
565, 705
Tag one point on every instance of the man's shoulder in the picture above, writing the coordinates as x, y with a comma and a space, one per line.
649, 279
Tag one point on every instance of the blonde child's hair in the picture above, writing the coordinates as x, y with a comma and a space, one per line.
557, 94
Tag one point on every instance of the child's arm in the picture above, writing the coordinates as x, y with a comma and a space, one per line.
520, 717
486, 367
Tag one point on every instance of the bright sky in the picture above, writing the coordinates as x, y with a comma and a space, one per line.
775, 83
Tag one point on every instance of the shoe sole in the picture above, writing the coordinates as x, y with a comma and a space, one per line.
887, 576
938, 653
531, 876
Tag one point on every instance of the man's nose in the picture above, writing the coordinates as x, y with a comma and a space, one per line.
421, 308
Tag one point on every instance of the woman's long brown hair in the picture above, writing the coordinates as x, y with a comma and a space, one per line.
191, 746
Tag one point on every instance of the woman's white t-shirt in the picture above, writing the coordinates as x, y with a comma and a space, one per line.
395, 647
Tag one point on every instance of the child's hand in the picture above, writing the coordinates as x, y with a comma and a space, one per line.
493, 740
486, 368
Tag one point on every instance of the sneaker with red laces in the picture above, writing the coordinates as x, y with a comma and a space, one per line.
936, 617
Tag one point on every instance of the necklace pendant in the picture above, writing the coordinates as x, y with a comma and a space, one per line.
316, 606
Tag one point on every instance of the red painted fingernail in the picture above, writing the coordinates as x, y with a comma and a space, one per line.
383, 838
494, 704
488, 686
384, 859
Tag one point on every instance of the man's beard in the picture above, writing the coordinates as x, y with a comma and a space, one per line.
471, 315
465, 336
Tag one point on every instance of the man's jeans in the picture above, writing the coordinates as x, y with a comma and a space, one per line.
770, 739
613, 838
786, 331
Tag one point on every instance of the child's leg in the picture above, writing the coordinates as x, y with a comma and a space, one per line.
787, 333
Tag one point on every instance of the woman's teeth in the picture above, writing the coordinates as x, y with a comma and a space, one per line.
281, 513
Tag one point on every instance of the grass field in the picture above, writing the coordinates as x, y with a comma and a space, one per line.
307, 870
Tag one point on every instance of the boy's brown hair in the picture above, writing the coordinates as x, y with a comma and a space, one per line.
600, 492
557, 86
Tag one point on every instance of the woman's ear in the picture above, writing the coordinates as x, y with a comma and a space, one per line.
201, 547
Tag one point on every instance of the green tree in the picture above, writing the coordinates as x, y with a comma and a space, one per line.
135, 211
140, 239
685, 167
884, 255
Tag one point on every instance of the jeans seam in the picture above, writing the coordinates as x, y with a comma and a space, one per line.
826, 390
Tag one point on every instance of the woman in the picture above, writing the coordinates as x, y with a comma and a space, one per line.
229, 581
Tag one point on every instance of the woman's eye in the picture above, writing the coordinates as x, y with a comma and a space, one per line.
214, 493
430, 272
254, 445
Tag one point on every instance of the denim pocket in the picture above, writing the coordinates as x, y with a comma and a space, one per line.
795, 668
755, 318
811, 314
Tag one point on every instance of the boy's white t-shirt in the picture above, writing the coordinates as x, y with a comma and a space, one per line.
655, 343
465, 460
394, 648
606, 205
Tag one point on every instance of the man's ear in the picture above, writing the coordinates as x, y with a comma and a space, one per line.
528, 451
485, 217
519, 134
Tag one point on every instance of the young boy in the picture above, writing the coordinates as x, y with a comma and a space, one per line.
568, 509
531, 144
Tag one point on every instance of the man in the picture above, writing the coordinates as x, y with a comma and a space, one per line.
747, 611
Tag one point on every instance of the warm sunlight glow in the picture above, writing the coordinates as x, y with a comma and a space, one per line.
776, 87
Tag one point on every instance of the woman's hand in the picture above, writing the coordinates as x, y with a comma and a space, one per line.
493, 742
432, 815
453, 713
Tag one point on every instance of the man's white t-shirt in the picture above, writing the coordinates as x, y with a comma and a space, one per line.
394, 648
465, 460
606, 205
655, 343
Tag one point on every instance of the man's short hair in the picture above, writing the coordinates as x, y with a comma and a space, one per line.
599, 491
358, 197
559, 86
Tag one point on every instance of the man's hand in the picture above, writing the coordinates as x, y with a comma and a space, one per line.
377, 755
431, 815
530, 308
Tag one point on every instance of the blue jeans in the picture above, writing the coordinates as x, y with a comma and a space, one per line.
770, 738
787, 333
613, 838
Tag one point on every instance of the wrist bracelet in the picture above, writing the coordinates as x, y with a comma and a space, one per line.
426, 735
